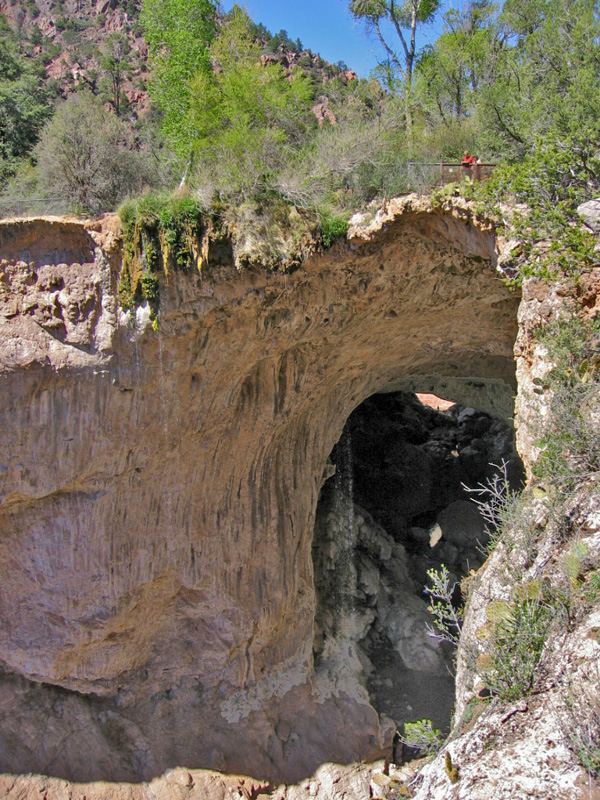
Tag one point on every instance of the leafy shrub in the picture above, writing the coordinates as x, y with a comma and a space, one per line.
422, 736
552, 181
569, 442
150, 287
516, 634
447, 618
332, 228
464, 188
89, 157
160, 231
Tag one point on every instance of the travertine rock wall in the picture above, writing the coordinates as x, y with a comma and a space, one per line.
529, 747
158, 488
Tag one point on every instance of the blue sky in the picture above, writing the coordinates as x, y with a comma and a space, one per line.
326, 27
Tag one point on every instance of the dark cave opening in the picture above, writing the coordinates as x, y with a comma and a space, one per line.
396, 507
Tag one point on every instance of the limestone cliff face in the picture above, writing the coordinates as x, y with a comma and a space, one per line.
158, 487
534, 746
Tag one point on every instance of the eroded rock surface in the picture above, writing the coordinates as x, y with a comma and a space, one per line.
536, 745
158, 488
411, 467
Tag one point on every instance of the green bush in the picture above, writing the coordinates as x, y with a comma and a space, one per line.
35, 37
516, 634
150, 287
422, 736
160, 231
552, 181
569, 442
464, 188
89, 157
332, 228
447, 618
171, 223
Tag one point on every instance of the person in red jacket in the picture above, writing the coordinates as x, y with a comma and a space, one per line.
467, 160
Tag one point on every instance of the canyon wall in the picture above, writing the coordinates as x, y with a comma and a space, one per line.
158, 483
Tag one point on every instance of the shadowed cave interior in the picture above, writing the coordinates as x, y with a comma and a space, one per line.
395, 507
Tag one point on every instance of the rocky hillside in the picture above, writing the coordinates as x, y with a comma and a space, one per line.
73, 37
70, 37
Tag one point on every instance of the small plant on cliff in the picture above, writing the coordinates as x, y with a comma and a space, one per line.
422, 736
451, 769
515, 637
332, 227
464, 188
171, 221
160, 232
447, 617
500, 505
569, 442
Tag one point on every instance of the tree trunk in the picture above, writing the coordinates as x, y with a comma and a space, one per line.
185, 173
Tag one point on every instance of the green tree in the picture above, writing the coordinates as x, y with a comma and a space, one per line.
547, 80
87, 155
114, 61
178, 33
395, 25
452, 69
25, 102
247, 117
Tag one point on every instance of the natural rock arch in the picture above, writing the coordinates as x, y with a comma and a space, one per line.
159, 488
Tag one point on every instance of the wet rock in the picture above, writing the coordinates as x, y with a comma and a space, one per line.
405, 625
368, 576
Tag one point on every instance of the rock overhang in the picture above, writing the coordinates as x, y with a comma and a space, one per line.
163, 485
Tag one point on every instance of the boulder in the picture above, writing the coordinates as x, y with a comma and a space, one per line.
405, 625
461, 524
590, 214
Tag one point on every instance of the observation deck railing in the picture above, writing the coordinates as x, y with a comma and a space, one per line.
442, 172
32, 206
396, 179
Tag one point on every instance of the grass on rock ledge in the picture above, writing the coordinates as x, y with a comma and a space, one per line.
161, 232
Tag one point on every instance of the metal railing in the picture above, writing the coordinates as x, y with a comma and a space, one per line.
32, 206
402, 177
449, 172
396, 179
